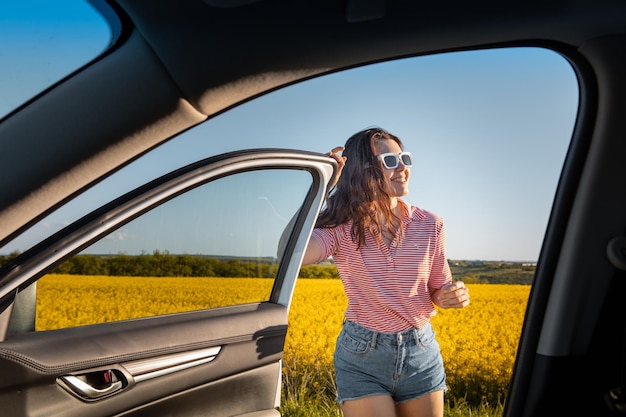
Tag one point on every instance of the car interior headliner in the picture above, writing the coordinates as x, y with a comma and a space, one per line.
177, 63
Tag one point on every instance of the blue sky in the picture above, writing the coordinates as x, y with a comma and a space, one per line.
489, 129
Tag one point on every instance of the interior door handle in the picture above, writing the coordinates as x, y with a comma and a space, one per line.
90, 392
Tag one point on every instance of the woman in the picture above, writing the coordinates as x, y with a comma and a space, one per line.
391, 258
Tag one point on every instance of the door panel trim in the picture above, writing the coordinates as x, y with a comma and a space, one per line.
150, 368
40, 355
251, 339
97, 384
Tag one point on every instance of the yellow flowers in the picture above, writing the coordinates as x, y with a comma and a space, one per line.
478, 343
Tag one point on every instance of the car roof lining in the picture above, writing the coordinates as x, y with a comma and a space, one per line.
269, 39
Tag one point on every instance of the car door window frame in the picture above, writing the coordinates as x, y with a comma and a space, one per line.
26, 269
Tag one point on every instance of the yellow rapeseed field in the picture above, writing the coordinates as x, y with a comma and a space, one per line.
478, 343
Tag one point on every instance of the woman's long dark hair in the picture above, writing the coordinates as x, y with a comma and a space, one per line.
360, 195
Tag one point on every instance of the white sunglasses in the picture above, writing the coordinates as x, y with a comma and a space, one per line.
392, 160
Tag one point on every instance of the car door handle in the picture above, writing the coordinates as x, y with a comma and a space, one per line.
88, 391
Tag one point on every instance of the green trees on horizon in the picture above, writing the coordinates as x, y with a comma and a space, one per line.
164, 264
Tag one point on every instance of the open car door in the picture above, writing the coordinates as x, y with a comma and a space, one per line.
220, 359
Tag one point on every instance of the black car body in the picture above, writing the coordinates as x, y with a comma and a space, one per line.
175, 64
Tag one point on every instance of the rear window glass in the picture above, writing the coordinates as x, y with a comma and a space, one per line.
43, 41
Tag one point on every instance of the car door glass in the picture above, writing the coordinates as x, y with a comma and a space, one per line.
213, 246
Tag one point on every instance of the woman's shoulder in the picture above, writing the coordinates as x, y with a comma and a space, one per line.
420, 213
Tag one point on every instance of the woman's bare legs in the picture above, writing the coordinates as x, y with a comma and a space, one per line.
430, 405
374, 406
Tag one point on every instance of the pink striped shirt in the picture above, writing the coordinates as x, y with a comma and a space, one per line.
388, 289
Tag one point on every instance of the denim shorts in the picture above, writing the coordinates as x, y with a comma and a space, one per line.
404, 365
